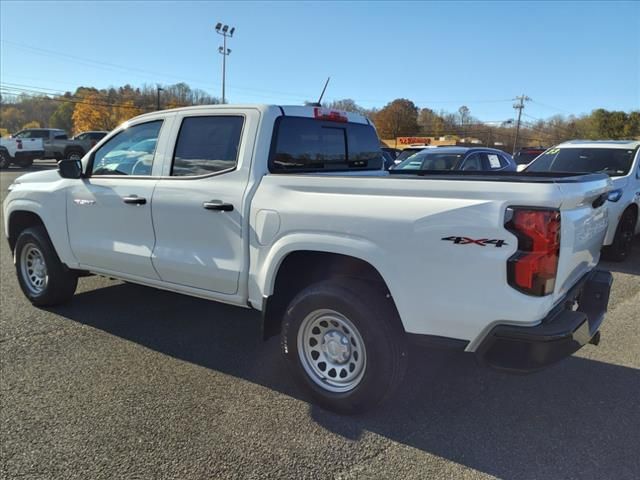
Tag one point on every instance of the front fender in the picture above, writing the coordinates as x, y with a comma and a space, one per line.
53, 216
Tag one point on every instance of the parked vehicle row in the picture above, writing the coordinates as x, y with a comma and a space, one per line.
287, 210
57, 144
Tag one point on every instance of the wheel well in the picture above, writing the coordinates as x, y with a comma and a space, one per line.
302, 268
634, 208
19, 221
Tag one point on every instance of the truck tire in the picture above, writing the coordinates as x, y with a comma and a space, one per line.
620, 248
5, 159
24, 162
43, 278
73, 154
344, 344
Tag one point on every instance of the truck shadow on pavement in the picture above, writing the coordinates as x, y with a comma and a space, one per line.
580, 418
630, 266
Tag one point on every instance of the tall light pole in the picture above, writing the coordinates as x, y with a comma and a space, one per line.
519, 106
225, 31
158, 90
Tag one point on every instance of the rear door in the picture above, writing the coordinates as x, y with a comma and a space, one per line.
109, 211
198, 204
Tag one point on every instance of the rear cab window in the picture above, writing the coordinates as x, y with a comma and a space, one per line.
303, 144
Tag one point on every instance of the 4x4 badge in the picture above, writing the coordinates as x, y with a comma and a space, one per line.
483, 242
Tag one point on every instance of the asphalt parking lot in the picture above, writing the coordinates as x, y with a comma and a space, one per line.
130, 382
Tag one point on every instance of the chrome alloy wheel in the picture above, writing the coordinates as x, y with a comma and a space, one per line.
33, 268
331, 350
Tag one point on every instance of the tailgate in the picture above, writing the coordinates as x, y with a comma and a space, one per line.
584, 223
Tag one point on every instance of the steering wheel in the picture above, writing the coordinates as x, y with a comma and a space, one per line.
140, 164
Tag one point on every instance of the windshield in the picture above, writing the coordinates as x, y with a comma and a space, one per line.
431, 161
612, 161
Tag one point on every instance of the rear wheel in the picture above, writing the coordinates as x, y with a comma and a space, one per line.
344, 345
43, 278
5, 159
619, 250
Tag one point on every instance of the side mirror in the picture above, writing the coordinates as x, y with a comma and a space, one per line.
70, 168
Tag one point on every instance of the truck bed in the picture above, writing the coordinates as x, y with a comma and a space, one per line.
520, 177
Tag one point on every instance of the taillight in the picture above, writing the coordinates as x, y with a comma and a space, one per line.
533, 268
19, 144
331, 115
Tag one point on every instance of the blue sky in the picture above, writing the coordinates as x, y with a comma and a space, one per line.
569, 57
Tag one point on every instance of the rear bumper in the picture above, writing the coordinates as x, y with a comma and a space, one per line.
570, 326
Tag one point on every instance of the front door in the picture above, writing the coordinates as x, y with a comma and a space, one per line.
198, 204
109, 211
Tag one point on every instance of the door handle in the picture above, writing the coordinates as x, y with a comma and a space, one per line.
218, 205
134, 200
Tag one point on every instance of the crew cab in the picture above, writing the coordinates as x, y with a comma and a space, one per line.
287, 210
20, 152
57, 144
620, 159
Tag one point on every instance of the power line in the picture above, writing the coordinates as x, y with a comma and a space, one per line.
201, 84
156, 75
67, 99
551, 107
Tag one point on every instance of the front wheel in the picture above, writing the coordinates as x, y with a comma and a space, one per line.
43, 278
620, 248
344, 344
74, 155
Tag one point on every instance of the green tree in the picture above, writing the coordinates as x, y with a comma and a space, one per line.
11, 118
62, 117
346, 105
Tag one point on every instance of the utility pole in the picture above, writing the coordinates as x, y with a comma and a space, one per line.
519, 106
224, 51
158, 90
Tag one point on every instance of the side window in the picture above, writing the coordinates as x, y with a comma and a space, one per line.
473, 162
82, 136
60, 137
130, 152
207, 145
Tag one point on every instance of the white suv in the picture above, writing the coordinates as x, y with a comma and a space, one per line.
620, 160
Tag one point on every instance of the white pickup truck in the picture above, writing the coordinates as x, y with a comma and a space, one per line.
287, 210
20, 152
